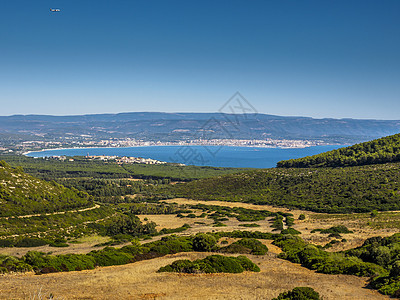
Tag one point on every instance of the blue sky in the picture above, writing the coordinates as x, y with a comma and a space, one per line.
318, 58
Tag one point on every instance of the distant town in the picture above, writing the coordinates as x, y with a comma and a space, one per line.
37, 145
117, 159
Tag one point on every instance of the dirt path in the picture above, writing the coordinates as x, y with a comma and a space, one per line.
237, 204
55, 213
141, 281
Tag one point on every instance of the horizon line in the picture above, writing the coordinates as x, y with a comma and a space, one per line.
163, 112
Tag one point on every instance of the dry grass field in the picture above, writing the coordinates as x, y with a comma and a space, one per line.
362, 224
140, 280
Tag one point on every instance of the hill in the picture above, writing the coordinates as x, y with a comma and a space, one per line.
383, 150
22, 194
332, 190
182, 126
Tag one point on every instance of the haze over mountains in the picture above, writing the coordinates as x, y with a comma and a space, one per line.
180, 126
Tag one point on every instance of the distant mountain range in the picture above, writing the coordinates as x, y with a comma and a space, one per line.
182, 126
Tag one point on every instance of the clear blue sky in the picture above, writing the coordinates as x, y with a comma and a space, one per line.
311, 58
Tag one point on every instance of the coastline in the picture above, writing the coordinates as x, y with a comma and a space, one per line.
249, 146
178, 145
200, 155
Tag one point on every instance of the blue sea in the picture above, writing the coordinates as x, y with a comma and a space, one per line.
216, 156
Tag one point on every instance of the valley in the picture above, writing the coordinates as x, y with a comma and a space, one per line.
318, 226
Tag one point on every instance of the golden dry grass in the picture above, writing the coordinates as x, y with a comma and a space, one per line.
141, 281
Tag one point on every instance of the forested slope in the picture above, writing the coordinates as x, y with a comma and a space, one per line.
378, 151
333, 190
22, 194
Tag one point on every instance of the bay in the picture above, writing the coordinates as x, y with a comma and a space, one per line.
216, 156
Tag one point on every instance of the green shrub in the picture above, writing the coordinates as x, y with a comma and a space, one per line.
256, 247
30, 242
249, 225
334, 230
247, 234
6, 242
60, 263
212, 264
219, 224
312, 257
110, 256
299, 293
59, 242
174, 230
290, 231
289, 221
170, 245
302, 217
204, 242
68, 262
235, 248
247, 264
374, 213
278, 222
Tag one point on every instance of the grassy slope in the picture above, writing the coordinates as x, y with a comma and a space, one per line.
378, 151
22, 194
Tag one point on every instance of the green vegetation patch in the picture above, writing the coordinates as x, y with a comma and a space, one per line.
378, 151
51, 169
212, 264
246, 245
330, 190
222, 213
333, 230
22, 194
56, 224
249, 225
315, 258
299, 293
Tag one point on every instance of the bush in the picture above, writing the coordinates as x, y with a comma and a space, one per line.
6, 243
248, 234
302, 217
249, 225
334, 230
289, 221
110, 256
204, 242
278, 222
290, 231
299, 293
256, 247
212, 264
170, 245
42, 263
30, 242
174, 230
235, 248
